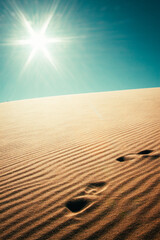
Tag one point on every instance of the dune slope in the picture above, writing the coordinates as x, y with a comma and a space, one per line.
81, 167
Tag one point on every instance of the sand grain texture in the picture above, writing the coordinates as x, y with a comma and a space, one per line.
81, 167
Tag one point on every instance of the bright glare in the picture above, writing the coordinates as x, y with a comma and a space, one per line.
38, 41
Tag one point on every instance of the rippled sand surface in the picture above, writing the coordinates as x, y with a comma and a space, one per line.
81, 167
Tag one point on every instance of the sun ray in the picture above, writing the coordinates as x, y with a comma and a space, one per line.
48, 56
27, 24
23, 42
31, 56
45, 26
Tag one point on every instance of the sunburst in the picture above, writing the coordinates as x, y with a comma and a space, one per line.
38, 40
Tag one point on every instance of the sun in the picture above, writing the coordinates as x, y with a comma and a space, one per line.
38, 41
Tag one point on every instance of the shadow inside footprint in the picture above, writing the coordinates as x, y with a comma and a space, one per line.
145, 152
153, 157
76, 205
121, 159
97, 184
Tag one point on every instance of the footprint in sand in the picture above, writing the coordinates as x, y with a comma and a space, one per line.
144, 152
78, 204
82, 202
95, 187
132, 156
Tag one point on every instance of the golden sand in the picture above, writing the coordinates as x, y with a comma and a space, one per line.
82, 166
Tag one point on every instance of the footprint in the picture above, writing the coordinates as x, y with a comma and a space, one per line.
86, 198
95, 187
132, 156
78, 204
128, 157
145, 152
153, 157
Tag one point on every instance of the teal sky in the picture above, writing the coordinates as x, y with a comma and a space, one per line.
113, 45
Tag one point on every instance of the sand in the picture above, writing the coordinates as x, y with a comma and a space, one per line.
81, 167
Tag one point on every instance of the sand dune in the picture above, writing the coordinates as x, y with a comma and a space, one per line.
81, 167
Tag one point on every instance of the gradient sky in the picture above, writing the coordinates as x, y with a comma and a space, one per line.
114, 45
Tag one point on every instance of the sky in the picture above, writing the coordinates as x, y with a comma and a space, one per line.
91, 46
